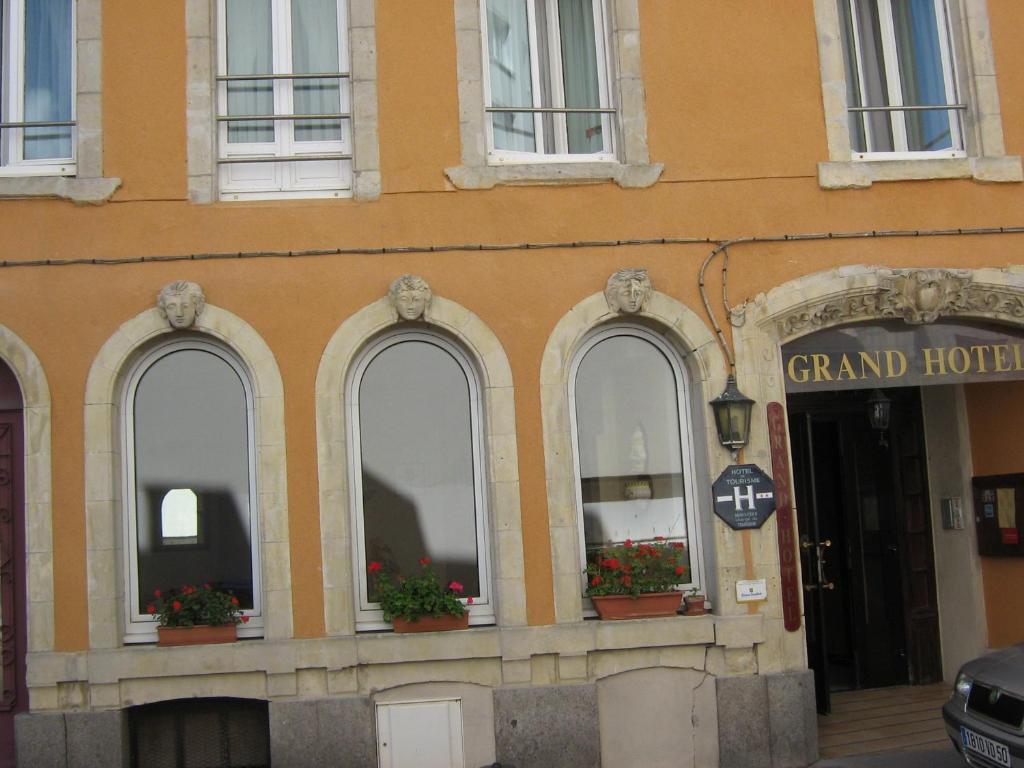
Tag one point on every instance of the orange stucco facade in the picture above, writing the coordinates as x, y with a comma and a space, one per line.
734, 113
734, 110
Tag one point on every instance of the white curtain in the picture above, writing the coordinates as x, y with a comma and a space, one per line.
508, 45
579, 75
315, 49
249, 52
48, 49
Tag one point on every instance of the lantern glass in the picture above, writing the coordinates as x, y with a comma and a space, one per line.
879, 410
732, 416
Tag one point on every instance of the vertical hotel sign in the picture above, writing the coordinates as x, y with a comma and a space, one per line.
788, 558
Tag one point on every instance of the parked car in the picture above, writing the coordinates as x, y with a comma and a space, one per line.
985, 714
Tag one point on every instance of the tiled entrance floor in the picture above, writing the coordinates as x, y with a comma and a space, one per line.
879, 720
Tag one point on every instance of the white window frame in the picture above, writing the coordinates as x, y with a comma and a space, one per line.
554, 57
894, 88
694, 537
139, 626
13, 95
283, 177
369, 616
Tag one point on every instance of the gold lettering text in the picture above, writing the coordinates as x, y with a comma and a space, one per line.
895, 363
933, 359
846, 368
963, 356
979, 351
867, 362
999, 353
821, 368
799, 376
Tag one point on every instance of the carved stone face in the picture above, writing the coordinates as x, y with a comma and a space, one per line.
180, 309
628, 290
410, 296
410, 303
181, 303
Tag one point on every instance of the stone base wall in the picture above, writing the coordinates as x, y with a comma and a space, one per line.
656, 717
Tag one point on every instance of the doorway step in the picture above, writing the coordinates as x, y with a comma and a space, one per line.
882, 720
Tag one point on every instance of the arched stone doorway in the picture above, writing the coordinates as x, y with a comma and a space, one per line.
13, 626
890, 534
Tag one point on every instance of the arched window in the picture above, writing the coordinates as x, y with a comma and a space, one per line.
632, 444
417, 484
190, 495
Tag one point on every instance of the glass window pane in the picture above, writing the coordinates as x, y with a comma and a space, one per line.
315, 49
191, 430
249, 52
508, 45
48, 47
416, 441
922, 76
873, 86
579, 75
630, 455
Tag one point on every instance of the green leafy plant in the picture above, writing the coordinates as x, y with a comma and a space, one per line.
192, 606
636, 568
419, 595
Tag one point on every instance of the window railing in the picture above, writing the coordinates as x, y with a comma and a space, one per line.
40, 124
276, 117
556, 110
914, 108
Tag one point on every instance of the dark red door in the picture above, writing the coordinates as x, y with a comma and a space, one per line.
13, 634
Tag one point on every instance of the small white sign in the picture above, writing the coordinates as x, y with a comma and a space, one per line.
751, 590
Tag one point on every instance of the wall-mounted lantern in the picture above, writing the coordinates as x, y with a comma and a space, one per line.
732, 416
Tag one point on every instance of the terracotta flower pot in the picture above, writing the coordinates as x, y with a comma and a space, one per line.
202, 634
431, 623
647, 605
695, 605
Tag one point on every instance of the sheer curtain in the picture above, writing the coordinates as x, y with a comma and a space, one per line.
875, 88
579, 75
249, 52
48, 50
315, 49
921, 73
508, 45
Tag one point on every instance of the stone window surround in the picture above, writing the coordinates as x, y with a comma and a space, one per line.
706, 366
103, 468
88, 184
201, 92
500, 454
35, 395
987, 160
634, 168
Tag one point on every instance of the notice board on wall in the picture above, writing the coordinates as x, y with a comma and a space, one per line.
999, 515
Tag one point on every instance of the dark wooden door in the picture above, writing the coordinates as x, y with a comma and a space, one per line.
862, 509
13, 634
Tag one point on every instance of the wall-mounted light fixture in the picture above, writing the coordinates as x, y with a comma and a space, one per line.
732, 416
879, 411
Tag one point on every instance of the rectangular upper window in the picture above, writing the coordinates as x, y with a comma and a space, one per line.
37, 87
284, 99
547, 81
900, 79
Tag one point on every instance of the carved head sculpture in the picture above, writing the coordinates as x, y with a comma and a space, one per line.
181, 302
410, 296
628, 290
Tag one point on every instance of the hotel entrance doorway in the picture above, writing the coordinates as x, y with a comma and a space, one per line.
865, 541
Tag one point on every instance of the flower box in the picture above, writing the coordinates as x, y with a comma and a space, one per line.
201, 634
643, 606
441, 623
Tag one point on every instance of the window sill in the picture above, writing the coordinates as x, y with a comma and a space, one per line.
856, 174
82, 191
632, 176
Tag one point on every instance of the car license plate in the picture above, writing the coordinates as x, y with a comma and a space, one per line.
985, 747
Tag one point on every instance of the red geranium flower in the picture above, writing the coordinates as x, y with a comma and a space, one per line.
176, 606
245, 619
680, 570
374, 566
678, 545
234, 600
150, 608
424, 560
157, 593
455, 586
627, 543
627, 580
659, 538
595, 581
469, 601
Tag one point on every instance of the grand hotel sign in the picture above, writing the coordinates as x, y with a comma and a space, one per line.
894, 354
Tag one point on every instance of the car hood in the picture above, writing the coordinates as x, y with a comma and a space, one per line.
1004, 668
